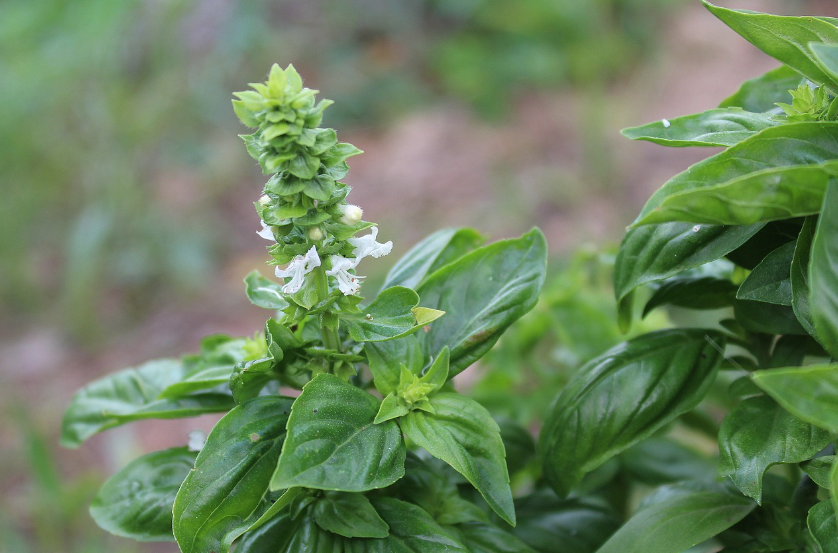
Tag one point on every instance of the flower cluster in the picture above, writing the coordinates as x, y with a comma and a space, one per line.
303, 206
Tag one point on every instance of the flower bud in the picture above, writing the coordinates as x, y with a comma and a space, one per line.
265, 199
351, 214
315, 234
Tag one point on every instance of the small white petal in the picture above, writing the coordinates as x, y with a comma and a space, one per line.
297, 269
197, 440
267, 233
367, 246
348, 283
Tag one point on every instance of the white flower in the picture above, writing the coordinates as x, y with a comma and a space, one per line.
267, 233
366, 245
348, 283
351, 214
197, 439
299, 267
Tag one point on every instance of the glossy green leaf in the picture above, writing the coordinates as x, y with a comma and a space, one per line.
623, 396
762, 93
771, 236
386, 359
677, 517
693, 293
332, 443
412, 530
549, 524
136, 502
809, 393
227, 492
763, 195
483, 293
716, 127
819, 470
785, 39
791, 144
823, 526
767, 318
655, 252
826, 56
757, 434
800, 275
350, 515
431, 254
392, 314
283, 534
823, 273
264, 293
518, 444
481, 537
770, 281
462, 433
131, 395
658, 461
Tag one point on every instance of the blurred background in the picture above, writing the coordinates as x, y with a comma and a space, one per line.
126, 218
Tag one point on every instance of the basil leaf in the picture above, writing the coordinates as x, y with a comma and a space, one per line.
692, 293
332, 443
658, 461
785, 39
518, 444
823, 526
282, 534
131, 395
623, 396
136, 502
757, 434
549, 524
483, 293
770, 281
350, 515
480, 537
393, 314
462, 433
762, 93
386, 358
264, 293
431, 254
819, 470
715, 127
809, 393
767, 318
800, 275
823, 273
227, 491
826, 56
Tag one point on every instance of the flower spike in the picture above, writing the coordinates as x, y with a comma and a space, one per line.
348, 283
299, 267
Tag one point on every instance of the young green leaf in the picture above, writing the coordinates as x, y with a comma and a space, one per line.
264, 293
823, 526
333, 443
770, 281
131, 395
431, 254
823, 273
759, 433
284, 534
716, 127
819, 470
809, 393
623, 396
393, 314
800, 275
136, 502
386, 358
462, 433
826, 56
392, 407
227, 491
677, 517
785, 39
350, 515
762, 93
483, 292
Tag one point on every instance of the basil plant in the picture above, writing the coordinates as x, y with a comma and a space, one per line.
342, 430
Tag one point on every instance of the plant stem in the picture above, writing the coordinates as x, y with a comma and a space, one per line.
331, 340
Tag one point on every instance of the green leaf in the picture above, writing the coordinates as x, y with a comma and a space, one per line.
480, 537
392, 407
431, 254
462, 433
386, 358
656, 252
826, 56
693, 293
800, 275
483, 293
283, 534
762, 93
624, 396
792, 144
136, 502
264, 293
227, 491
757, 434
677, 517
785, 39
770, 281
766, 195
549, 524
658, 461
518, 444
350, 515
332, 443
819, 470
131, 395
715, 127
823, 273
809, 393
823, 526
393, 314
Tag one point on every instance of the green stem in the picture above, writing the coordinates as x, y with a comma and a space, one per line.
331, 340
